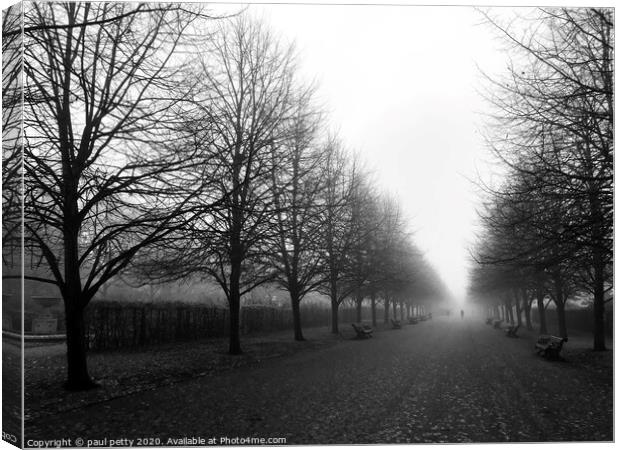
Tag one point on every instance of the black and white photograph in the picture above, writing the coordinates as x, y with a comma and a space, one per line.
305, 223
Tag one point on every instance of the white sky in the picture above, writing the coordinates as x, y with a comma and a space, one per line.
400, 84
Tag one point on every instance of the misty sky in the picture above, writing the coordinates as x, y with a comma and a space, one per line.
400, 83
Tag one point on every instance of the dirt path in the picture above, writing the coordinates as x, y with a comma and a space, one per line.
444, 380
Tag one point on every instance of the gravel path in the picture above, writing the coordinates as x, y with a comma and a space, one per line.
444, 380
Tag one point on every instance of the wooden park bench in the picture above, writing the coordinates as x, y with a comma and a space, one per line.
511, 331
497, 324
549, 346
396, 324
413, 320
489, 321
362, 331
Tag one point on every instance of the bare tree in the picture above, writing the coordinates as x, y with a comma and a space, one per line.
336, 215
245, 94
101, 149
555, 112
297, 187
365, 222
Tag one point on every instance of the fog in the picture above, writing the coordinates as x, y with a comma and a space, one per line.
401, 85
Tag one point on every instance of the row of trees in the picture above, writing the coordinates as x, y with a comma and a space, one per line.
548, 229
167, 144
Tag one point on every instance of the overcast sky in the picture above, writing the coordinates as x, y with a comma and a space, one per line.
400, 83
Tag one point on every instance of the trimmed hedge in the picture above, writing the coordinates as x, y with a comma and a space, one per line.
111, 325
114, 325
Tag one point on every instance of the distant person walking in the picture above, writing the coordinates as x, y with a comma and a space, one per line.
462, 314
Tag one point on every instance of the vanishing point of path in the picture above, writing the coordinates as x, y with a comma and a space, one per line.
444, 380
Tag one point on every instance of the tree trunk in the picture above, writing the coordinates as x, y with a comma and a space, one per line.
77, 367
542, 319
518, 308
394, 305
359, 299
373, 309
560, 303
234, 298
560, 309
334, 316
234, 306
77, 364
599, 302
334, 299
508, 307
236, 260
295, 303
386, 310
527, 308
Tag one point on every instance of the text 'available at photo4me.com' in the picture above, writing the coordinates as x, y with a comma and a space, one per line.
180, 441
